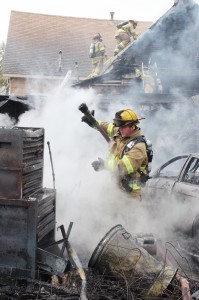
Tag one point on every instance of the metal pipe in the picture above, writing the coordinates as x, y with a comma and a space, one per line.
60, 61
77, 71
53, 173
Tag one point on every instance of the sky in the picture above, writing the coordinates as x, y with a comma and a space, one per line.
141, 10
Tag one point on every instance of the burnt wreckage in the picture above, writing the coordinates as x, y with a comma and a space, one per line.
28, 251
33, 266
14, 106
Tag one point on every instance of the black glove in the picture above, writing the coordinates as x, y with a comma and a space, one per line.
143, 178
88, 120
98, 165
125, 184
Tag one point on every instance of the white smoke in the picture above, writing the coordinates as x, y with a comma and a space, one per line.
91, 199
6, 121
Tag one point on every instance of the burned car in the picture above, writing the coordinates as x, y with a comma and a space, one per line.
172, 195
178, 177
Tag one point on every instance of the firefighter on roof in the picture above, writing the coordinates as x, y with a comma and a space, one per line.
125, 34
127, 157
97, 53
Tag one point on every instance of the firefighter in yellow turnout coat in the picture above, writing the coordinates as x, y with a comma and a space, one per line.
98, 54
127, 157
125, 34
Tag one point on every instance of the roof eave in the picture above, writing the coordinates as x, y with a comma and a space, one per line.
10, 75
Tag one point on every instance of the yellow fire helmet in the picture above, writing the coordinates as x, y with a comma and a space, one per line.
124, 117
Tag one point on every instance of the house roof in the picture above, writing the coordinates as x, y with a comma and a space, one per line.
168, 51
34, 41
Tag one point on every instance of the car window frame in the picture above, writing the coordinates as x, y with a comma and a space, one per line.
186, 167
158, 171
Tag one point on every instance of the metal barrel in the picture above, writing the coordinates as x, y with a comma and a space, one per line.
120, 256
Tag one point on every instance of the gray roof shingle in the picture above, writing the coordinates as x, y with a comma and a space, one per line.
34, 41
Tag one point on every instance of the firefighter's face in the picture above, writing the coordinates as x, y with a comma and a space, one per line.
126, 130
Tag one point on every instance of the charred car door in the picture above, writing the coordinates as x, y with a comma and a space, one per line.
160, 186
187, 186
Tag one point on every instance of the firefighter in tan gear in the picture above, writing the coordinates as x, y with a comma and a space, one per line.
127, 157
125, 34
97, 53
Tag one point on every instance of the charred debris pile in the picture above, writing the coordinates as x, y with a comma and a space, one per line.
34, 265
121, 267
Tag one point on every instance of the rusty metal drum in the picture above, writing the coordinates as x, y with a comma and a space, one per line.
119, 255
